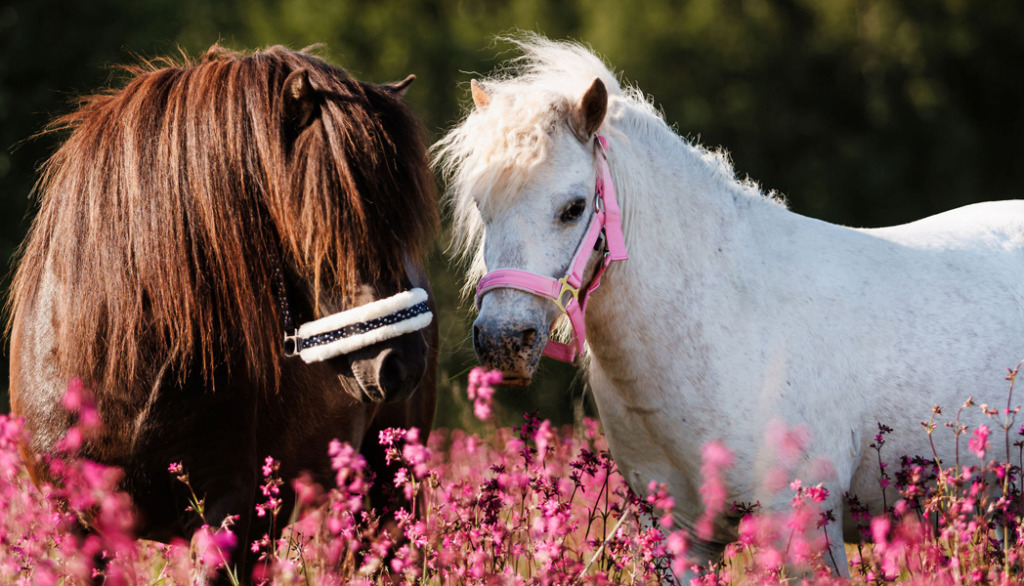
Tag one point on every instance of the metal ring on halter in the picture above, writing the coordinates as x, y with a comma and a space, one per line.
567, 288
291, 344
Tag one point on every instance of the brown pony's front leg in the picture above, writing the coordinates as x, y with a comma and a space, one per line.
415, 412
211, 433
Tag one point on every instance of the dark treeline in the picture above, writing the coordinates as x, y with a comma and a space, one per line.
861, 112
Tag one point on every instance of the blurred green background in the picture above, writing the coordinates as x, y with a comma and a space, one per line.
861, 112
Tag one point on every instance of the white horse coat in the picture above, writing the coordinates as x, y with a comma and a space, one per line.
732, 314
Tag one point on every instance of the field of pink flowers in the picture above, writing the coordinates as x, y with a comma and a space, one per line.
527, 505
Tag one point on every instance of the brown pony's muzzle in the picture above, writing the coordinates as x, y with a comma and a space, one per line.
390, 371
511, 346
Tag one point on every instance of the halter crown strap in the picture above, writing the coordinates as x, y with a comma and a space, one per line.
566, 291
613, 221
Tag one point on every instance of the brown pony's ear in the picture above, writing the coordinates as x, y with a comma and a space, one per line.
299, 99
480, 97
588, 114
400, 87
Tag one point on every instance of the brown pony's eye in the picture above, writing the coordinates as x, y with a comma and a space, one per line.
573, 211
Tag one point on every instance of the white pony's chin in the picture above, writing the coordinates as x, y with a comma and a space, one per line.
515, 380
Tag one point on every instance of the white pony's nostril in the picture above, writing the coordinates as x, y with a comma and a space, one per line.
529, 335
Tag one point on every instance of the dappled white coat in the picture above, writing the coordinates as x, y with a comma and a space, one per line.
733, 314
740, 315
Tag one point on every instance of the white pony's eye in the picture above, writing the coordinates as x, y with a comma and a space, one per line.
573, 211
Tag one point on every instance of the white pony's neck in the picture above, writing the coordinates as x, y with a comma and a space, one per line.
662, 178
681, 211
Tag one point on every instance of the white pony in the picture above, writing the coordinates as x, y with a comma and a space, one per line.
732, 314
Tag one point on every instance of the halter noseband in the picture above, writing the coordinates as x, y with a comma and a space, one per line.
359, 327
352, 329
565, 292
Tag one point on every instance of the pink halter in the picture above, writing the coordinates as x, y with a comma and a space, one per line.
565, 292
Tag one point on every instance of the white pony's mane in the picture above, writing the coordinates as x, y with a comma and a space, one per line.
486, 159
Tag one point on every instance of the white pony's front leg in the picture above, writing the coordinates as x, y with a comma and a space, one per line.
702, 554
785, 510
835, 556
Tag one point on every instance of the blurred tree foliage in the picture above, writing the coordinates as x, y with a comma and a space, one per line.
862, 112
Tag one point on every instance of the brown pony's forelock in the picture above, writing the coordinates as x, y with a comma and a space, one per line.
164, 209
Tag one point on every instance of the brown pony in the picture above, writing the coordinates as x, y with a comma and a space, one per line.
185, 219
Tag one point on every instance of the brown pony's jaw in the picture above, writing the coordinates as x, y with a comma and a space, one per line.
389, 371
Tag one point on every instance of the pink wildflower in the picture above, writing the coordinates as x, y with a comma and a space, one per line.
978, 442
270, 466
415, 454
880, 532
789, 443
77, 400
345, 461
71, 442
213, 547
307, 492
480, 390
543, 438
74, 396
715, 458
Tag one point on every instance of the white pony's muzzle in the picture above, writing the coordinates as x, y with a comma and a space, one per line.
360, 327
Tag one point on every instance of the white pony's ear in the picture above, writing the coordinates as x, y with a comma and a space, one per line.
588, 114
480, 97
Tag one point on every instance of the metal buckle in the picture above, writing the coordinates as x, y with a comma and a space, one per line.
564, 281
292, 344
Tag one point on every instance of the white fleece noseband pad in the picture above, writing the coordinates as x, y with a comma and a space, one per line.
361, 326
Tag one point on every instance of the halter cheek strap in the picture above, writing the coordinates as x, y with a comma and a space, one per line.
566, 291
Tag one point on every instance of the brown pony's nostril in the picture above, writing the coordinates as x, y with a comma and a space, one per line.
393, 374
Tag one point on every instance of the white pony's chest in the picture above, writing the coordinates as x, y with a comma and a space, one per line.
650, 440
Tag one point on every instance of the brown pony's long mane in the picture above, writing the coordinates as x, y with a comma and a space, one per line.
164, 208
